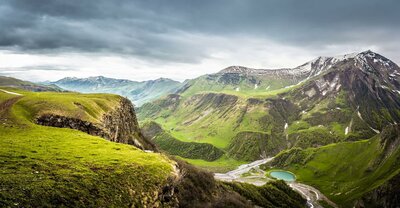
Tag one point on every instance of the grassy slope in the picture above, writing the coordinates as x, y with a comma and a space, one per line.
187, 149
219, 119
204, 155
197, 120
235, 84
12, 82
249, 146
166, 142
342, 171
44, 165
88, 107
5, 81
217, 125
210, 128
221, 165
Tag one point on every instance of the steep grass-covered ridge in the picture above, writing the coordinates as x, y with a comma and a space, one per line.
49, 166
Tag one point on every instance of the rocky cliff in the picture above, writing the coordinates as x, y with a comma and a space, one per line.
386, 195
118, 125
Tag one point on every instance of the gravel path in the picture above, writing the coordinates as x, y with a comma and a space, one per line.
12, 93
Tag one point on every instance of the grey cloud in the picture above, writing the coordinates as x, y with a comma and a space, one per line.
151, 29
36, 67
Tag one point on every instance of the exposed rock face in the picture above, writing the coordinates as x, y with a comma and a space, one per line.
72, 123
119, 125
386, 195
122, 127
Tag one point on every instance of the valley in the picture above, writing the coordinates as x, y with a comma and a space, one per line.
335, 106
199, 104
78, 150
251, 173
331, 122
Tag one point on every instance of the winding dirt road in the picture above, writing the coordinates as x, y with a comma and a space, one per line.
12, 93
5, 106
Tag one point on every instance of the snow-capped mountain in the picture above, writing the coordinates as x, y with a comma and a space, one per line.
317, 66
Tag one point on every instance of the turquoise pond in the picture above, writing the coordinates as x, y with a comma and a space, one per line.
283, 175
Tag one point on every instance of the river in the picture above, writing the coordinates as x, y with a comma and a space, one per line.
258, 178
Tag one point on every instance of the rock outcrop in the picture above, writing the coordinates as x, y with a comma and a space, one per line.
386, 195
119, 125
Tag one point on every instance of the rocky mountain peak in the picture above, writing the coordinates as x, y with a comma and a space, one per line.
374, 62
68, 79
367, 61
237, 70
162, 79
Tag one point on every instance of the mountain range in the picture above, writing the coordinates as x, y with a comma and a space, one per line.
137, 92
328, 106
333, 123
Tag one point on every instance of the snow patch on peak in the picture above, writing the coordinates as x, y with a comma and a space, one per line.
237, 69
346, 56
320, 64
68, 79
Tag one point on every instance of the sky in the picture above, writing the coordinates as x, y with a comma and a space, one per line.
182, 39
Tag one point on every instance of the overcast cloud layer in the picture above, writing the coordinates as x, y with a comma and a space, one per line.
139, 40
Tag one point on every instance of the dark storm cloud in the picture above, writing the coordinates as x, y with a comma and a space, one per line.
167, 30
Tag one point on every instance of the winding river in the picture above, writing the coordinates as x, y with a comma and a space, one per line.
258, 178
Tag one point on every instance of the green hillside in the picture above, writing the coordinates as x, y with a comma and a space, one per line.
213, 118
203, 155
326, 108
43, 166
249, 128
243, 82
47, 166
250, 146
16, 83
323, 124
173, 146
345, 171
